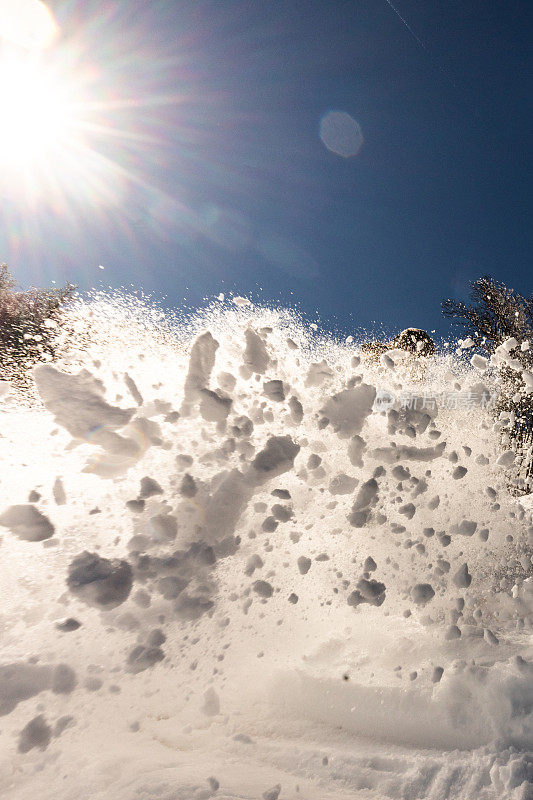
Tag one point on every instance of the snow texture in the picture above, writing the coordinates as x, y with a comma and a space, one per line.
257, 582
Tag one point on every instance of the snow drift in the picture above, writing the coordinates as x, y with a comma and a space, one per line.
243, 560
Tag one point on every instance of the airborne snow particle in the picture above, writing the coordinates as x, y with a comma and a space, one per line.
68, 625
188, 486
367, 591
255, 355
63, 679
274, 391
27, 522
101, 582
263, 588
277, 456
304, 565
438, 672
422, 593
272, 794
462, 578
58, 492
348, 410
37, 733
149, 488
141, 658
211, 706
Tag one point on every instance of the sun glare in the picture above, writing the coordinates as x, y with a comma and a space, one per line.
67, 134
27, 23
35, 113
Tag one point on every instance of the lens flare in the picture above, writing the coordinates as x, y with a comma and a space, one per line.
341, 133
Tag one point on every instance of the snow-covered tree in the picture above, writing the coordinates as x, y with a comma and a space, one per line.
496, 314
500, 323
30, 322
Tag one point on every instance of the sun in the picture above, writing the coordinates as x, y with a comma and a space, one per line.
70, 135
36, 113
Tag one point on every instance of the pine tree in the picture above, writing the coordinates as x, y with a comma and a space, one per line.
497, 315
30, 324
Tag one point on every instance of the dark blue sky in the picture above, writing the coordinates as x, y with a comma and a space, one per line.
218, 179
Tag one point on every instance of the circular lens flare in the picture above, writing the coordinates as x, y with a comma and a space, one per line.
341, 133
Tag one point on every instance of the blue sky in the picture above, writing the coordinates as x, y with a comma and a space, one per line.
218, 179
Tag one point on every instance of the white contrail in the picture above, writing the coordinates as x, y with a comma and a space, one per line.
421, 43
411, 31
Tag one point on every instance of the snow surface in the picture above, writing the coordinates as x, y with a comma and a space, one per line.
228, 572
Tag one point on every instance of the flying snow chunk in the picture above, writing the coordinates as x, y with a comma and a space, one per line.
101, 582
422, 593
479, 362
77, 402
201, 363
341, 133
27, 522
37, 733
241, 301
506, 459
348, 410
255, 355
462, 578
367, 591
141, 658
277, 457
211, 706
